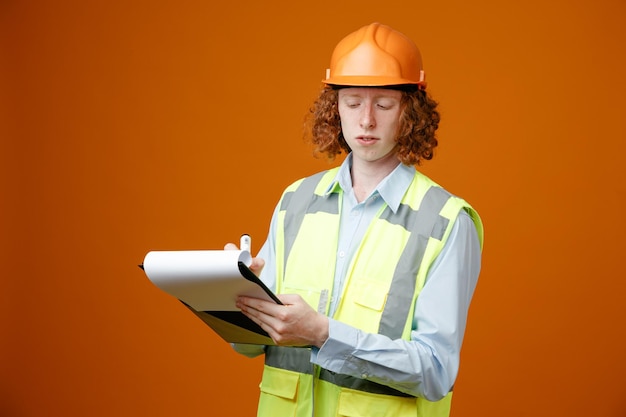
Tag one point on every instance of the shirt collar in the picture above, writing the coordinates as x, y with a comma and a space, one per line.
391, 189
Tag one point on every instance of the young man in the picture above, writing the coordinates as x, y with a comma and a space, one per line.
374, 262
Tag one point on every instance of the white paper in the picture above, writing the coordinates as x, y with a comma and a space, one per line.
206, 280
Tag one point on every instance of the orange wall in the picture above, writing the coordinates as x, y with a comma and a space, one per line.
133, 126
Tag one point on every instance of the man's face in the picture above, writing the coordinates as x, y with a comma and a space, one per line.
369, 121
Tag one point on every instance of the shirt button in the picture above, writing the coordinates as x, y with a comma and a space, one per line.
342, 254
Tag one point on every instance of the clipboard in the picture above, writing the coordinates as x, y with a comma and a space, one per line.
207, 283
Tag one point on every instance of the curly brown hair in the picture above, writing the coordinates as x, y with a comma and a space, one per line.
416, 133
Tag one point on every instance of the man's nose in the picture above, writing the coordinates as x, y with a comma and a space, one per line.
368, 121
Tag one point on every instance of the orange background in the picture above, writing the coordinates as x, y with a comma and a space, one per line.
135, 126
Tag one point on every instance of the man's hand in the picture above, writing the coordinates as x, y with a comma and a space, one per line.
293, 324
257, 263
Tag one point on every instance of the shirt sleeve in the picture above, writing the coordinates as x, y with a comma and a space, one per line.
427, 365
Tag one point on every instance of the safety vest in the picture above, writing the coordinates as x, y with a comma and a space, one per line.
379, 293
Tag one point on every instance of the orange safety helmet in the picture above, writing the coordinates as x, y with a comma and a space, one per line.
375, 55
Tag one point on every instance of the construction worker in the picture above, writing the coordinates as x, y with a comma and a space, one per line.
374, 262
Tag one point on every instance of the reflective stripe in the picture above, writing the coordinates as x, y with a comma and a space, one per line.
431, 205
346, 381
303, 201
299, 360
423, 224
289, 358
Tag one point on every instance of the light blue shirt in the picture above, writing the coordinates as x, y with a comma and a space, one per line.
427, 365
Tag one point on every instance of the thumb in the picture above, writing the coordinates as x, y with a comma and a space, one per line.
257, 265
230, 246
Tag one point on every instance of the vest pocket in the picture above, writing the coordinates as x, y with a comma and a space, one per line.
363, 304
279, 389
371, 294
364, 404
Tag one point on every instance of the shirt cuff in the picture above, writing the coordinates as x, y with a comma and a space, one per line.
338, 348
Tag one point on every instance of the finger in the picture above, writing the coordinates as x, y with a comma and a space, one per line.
266, 326
230, 246
257, 265
290, 298
257, 314
247, 305
258, 307
256, 317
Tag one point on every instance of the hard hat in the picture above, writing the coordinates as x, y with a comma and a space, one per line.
375, 55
